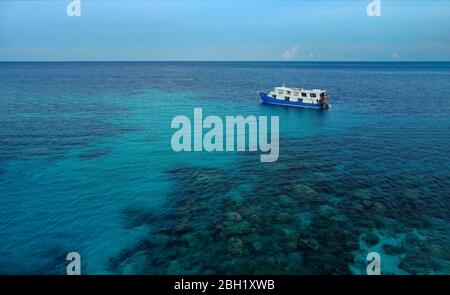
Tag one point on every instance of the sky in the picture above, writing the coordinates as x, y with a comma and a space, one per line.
210, 30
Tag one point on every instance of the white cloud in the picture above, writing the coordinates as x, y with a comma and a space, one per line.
290, 53
395, 55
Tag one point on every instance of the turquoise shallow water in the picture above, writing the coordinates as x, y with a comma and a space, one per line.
86, 165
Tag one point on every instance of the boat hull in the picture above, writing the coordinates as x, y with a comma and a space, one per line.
271, 100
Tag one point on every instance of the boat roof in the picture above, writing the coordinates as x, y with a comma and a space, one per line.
299, 89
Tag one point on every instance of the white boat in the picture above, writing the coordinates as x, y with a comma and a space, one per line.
297, 97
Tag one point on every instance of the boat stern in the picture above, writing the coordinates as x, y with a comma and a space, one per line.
326, 106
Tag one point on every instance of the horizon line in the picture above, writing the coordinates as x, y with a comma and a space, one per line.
285, 61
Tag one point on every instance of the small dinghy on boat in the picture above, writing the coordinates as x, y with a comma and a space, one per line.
297, 97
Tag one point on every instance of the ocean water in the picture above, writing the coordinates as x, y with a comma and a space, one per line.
86, 165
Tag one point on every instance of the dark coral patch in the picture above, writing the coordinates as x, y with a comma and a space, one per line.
94, 154
297, 216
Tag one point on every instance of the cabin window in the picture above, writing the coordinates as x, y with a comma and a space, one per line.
288, 92
303, 94
312, 94
295, 93
274, 95
286, 98
280, 91
300, 100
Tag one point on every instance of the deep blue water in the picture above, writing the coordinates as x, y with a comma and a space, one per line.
86, 165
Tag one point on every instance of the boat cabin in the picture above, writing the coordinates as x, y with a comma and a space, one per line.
315, 96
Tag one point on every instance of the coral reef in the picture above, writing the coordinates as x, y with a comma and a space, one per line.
284, 224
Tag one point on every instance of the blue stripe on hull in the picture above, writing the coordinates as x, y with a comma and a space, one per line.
270, 100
